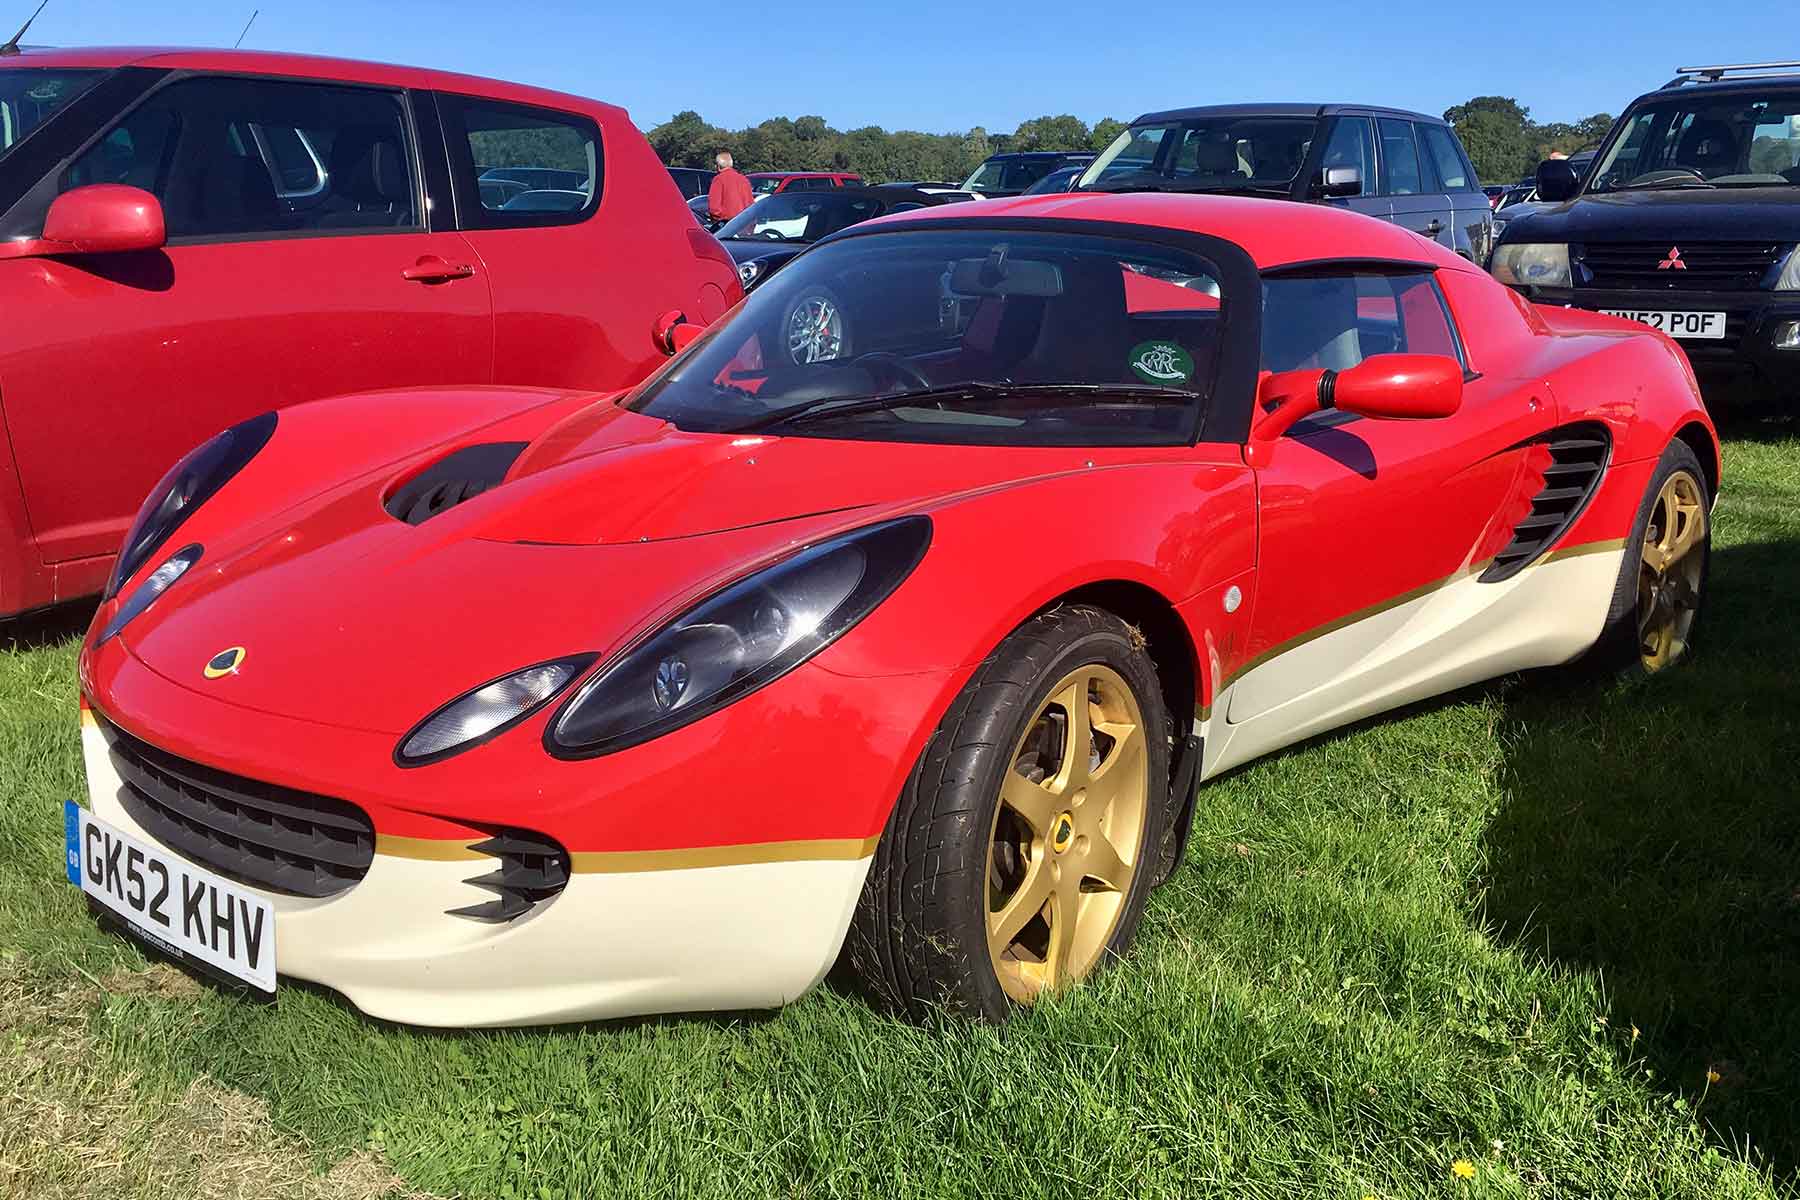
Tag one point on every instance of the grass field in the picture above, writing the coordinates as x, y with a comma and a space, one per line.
1539, 939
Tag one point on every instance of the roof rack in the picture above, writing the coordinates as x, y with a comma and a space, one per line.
1762, 70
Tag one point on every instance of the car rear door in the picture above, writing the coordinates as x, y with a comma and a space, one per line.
1406, 179
298, 265
1350, 142
1471, 216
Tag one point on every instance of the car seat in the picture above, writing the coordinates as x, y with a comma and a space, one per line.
1708, 146
1086, 334
220, 191
370, 185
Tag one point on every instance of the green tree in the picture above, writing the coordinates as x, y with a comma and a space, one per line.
1105, 130
1052, 133
1495, 130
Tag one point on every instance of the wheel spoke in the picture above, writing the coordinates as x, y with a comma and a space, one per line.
1078, 735
1065, 913
1102, 863
1024, 904
1034, 803
1684, 536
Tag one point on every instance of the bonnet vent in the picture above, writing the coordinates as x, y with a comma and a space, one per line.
1578, 455
448, 482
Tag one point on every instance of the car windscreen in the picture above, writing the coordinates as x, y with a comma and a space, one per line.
762, 185
973, 335
1009, 175
799, 216
1220, 153
29, 96
1740, 140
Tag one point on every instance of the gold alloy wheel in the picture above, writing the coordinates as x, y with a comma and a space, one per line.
1066, 833
1670, 575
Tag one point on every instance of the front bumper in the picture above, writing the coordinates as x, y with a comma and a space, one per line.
1746, 355
673, 938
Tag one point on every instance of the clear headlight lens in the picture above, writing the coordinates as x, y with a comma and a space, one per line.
748, 272
490, 709
742, 638
1532, 264
145, 594
1789, 280
189, 484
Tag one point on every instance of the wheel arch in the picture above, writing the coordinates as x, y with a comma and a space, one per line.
1167, 639
1700, 441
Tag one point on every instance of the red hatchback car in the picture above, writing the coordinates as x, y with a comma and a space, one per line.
767, 183
899, 617
191, 237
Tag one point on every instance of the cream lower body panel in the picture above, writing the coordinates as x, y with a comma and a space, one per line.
1455, 635
613, 944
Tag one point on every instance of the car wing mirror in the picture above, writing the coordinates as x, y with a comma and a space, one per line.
1382, 386
1556, 180
1339, 181
673, 332
103, 218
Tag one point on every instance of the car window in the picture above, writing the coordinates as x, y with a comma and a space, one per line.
1728, 140
1400, 175
1258, 152
1019, 338
1352, 144
243, 157
556, 156
29, 96
1453, 174
1336, 321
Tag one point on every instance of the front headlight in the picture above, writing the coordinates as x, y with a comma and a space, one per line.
748, 272
1532, 264
742, 638
189, 484
487, 711
145, 594
1789, 281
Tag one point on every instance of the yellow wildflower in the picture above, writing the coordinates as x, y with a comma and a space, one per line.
1462, 1168
1712, 1075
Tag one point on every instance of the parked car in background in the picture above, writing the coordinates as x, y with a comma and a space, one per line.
896, 625
949, 193
691, 180
1687, 221
188, 238
765, 236
1495, 193
1060, 180
702, 211
1011, 174
1403, 167
768, 183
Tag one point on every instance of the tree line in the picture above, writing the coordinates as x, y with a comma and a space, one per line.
1498, 131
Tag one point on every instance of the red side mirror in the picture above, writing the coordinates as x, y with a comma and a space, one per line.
104, 218
1402, 386
673, 332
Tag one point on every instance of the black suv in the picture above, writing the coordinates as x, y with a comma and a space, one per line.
1687, 221
1011, 174
1403, 167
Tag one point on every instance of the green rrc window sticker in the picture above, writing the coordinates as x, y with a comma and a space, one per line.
1161, 362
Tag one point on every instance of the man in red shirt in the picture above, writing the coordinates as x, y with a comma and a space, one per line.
730, 192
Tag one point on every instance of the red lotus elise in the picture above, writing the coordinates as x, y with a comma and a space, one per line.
898, 618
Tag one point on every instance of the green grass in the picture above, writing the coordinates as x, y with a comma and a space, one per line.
1516, 928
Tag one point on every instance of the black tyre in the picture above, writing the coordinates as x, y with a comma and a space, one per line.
1019, 855
1655, 610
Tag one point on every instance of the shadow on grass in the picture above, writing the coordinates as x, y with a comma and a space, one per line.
46, 626
1652, 833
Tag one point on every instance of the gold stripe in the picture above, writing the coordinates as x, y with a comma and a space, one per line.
1577, 551
605, 862
424, 849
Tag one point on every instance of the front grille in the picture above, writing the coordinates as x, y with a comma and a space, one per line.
270, 837
1577, 459
533, 869
1704, 266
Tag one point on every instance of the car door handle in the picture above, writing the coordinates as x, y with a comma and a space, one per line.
432, 269
1433, 229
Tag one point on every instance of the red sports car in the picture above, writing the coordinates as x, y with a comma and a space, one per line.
190, 237
898, 617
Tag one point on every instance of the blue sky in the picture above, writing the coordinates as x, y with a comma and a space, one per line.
939, 66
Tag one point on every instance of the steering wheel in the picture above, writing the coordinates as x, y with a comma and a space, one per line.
1666, 173
897, 366
773, 235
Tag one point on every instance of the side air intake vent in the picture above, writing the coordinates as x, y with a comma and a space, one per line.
448, 482
533, 869
1577, 460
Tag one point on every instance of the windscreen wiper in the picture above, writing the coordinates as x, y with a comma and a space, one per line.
985, 390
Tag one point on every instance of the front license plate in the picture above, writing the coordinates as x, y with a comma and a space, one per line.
1675, 324
170, 902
